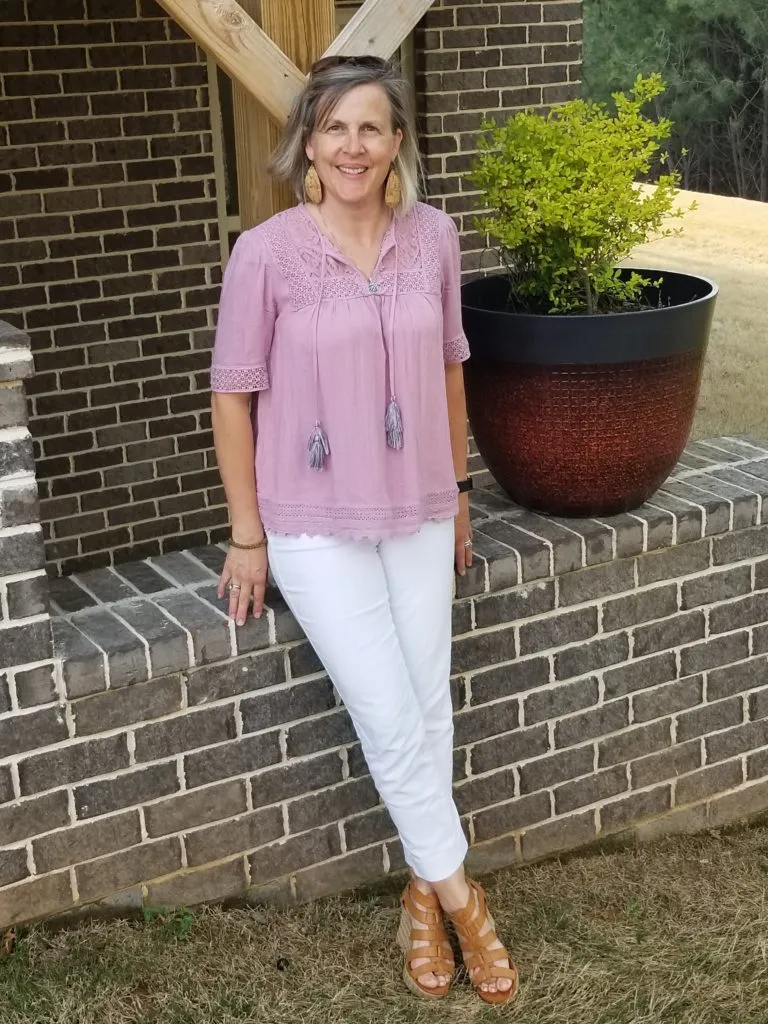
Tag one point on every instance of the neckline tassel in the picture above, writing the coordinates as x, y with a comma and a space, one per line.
318, 447
393, 424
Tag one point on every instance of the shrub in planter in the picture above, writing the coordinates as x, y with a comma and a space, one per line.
584, 376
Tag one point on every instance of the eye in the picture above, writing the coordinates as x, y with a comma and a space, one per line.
371, 128
334, 129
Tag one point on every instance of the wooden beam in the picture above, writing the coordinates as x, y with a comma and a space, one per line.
247, 54
379, 27
302, 30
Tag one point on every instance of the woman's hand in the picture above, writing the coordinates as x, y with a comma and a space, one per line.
463, 537
244, 576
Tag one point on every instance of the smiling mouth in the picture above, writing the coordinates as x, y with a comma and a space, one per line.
352, 172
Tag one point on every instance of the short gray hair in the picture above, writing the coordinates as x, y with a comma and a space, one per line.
329, 79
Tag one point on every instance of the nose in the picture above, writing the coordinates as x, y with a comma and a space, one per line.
354, 142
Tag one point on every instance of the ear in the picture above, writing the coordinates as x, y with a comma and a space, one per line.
398, 137
309, 149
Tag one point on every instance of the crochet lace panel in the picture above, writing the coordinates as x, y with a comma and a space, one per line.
296, 248
294, 511
456, 350
239, 378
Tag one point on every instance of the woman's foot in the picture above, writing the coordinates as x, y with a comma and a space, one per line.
494, 978
432, 974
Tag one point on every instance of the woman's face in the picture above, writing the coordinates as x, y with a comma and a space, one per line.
354, 149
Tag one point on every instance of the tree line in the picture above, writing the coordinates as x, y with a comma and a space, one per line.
713, 55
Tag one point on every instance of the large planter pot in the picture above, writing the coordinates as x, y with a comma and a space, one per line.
585, 415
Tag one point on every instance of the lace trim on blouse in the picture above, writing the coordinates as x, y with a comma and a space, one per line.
456, 350
239, 378
287, 511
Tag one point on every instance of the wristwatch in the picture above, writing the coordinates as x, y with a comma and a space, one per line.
465, 485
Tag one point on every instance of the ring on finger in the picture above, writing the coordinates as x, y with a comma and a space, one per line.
235, 586
467, 543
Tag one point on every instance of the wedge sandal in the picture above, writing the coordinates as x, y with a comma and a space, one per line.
426, 909
479, 959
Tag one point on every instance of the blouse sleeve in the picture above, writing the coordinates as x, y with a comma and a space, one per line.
455, 344
247, 313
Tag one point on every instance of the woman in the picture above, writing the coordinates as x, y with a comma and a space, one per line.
343, 315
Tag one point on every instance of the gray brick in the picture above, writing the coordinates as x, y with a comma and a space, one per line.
125, 651
747, 611
461, 617
512, 605
35, 686
138, 864
599, 581
20, 645
211, 557
287, 628
690, 523
487, 720
595, 722
557, 630
757, 765
372, 827
244, 833
629, 535
758, 703
656, 603
724, 682
28, 597
13, 866
549, 771
59, 767
6, 785
597, 537
303, 661
590, 789
321, 733
294, 702
207, 627
228, 759
709, 718
83, 662
484, 791
474, 580
715, 651
635, 807
659, 524
673, 562
13, 407
143, 577
672, 632
509, 748
559, 835
25, 818
738, 806
666, 764
185, 732
560, 699
707, 782
130, 789
73, 845
342, 873
129, 704
591, 656
716, 586
626, 746
5, 694
534, 553
294, 853
668, 699
200, 807
329, 805
105, 584
19, 507
761, 575
32, 730
167, 642
67, 596
481, 649
240, 675
295, 779
36, 898
511, 816
639, 674
253, 635
736, 547
20, 552
735, 741
760, 639
181, 568
216, 883
508, 679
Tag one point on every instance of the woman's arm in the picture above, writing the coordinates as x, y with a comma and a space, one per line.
457, 419
233, 440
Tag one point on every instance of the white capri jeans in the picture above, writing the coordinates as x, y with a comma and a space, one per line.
379, 617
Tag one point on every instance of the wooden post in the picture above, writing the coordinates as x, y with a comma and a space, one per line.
303, 30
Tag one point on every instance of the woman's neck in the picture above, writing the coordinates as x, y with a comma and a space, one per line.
364, 224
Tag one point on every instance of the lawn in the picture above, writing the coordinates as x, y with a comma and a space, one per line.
676, 931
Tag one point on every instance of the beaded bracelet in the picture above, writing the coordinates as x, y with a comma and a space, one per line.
249, 547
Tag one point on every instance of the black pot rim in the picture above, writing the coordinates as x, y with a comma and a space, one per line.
714, 290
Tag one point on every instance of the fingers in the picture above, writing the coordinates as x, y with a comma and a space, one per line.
461, 558
468, 552
258, 598
224, 579
243, 600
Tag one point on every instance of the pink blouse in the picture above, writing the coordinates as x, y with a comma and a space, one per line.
331, 350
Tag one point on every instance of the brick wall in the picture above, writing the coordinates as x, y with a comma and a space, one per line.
610, 677
480, 60
109, 260
109, 256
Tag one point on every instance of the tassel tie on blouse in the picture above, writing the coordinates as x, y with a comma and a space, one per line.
318, 446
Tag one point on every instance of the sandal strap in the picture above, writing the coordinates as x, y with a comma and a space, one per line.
432, 966
480, 960
424, 908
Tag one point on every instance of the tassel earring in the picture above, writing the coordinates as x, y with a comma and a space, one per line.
393, 193
313, 188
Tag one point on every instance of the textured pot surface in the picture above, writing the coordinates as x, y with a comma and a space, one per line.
585, 415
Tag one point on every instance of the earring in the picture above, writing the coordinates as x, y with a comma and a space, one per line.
313, 188
393, 193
